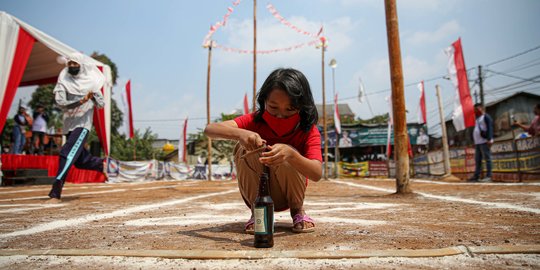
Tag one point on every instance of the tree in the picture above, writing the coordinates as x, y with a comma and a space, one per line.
107, 61
116, 113
377, 119
122, 148
44, 96
5, 138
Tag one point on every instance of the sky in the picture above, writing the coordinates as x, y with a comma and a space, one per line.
157, 44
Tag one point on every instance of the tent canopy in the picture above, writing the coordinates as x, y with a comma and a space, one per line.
29, 57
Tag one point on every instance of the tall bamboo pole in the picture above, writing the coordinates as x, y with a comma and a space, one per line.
254, 54
398, 99
325, 132
446, 152
209, 154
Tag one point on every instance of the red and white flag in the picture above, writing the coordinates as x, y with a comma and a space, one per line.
246, 104
422, 119
182, 148
463, 115
337, 121
128, 113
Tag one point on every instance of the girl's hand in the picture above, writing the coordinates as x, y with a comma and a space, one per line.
277, 154
251, 140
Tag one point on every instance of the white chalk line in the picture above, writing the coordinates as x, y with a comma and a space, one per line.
95, 217
48, 187
469, 183
197, 219
152, 188
87, 193
32, 207
64, 196
450, 198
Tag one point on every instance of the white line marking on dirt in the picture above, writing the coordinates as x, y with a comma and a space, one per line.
467, 183
32, 207
63, 196
46, 189
488, 204
450, 198
160, 187
198, 219
118, 213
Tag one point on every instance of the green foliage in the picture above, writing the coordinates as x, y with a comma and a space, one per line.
44, 96
116, 117
106, 60
226, 117
122, 148
5, 138
221, 149
377, 119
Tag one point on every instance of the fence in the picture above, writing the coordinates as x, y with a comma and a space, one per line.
513, 160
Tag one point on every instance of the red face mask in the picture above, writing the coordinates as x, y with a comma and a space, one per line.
281, 126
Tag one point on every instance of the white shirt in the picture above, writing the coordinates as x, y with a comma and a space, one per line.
480, 125
39, 124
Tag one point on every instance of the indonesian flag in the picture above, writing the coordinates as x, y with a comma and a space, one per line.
128, 114
361, 92
246, 104
337, 121
182, 154
463, 115
422, 119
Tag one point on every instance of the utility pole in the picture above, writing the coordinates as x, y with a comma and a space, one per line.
446, 152
325, 133
254, 54
209, 149
481, 83
398, 99
333, 65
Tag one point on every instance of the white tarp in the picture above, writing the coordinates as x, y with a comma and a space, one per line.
42, 66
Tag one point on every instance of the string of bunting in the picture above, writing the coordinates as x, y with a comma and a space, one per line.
283, 21
219, 24
318, 39
287, 49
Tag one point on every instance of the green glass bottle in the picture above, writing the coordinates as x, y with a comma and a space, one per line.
263, 211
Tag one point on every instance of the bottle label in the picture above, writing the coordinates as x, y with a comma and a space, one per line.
261, 221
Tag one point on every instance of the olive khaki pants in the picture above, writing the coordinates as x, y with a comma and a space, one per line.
287, 185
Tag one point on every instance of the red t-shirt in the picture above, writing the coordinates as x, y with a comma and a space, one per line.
306, 143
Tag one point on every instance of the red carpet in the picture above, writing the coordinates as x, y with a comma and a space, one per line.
50, 163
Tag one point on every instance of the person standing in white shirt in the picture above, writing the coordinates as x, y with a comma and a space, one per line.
39, 127
483, 139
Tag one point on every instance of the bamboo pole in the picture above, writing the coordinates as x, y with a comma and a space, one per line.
209, 154
446, 152
398, 99
254, 55
325, 132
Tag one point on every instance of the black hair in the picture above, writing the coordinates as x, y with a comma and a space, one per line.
295, 84
476, 105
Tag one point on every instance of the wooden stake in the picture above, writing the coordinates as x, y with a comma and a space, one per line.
209, 156
398, 99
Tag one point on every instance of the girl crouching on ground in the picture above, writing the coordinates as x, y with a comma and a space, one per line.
284, 134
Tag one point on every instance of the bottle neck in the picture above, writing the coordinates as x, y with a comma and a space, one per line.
264, 189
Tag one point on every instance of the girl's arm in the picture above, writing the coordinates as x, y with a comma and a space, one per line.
280, 153
229, 130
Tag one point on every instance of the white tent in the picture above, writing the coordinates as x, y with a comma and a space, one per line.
29, 57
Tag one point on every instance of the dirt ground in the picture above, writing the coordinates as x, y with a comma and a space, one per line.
199, 225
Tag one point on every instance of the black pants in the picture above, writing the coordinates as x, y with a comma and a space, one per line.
37, 135
74, 153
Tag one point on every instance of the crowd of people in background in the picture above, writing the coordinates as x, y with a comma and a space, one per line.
21, 141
